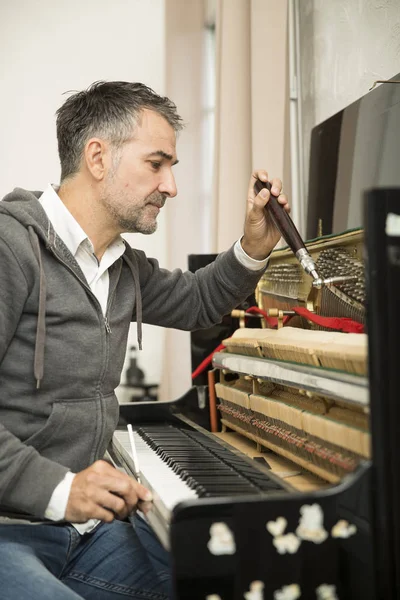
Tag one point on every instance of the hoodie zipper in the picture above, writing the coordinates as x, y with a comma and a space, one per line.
100, 311
107, 325
87, 288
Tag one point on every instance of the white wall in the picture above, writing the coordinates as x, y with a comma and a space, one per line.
50, 46
345, 46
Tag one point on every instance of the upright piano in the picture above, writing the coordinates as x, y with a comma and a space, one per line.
297, 493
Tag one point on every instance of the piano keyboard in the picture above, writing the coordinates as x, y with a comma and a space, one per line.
179, 464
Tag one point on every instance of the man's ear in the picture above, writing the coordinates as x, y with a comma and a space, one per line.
97, 157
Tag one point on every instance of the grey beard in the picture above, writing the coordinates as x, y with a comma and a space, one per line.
135, 226
135, 223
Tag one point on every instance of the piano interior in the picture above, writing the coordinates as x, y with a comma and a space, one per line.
321, 426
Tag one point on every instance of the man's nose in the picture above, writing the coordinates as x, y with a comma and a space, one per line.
168, 185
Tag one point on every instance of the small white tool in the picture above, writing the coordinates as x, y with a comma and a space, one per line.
134, 453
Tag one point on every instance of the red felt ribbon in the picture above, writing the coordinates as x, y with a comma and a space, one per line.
272, 321
204, 364
339, 323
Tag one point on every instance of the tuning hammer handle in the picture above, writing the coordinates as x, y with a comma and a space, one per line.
280, 217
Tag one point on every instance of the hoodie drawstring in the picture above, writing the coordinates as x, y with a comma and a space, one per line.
38, 365
138, 298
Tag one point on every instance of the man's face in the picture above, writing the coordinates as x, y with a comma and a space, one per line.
136, 188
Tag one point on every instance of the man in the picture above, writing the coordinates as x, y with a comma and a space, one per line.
69, 287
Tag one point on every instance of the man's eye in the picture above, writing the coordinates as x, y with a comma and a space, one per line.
156, 165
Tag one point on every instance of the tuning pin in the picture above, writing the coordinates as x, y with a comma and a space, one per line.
329, 281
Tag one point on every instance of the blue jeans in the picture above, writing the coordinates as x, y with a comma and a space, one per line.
54, 562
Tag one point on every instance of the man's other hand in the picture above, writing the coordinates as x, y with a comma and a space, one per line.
102, 492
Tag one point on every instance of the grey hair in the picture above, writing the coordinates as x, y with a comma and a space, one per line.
109, 110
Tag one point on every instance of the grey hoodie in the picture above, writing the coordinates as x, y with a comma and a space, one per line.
61, 359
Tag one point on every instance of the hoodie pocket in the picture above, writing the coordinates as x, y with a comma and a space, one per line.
77, 432
44, 436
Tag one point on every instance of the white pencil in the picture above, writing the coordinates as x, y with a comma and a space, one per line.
134, 453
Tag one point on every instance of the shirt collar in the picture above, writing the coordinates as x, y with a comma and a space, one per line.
67, 227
